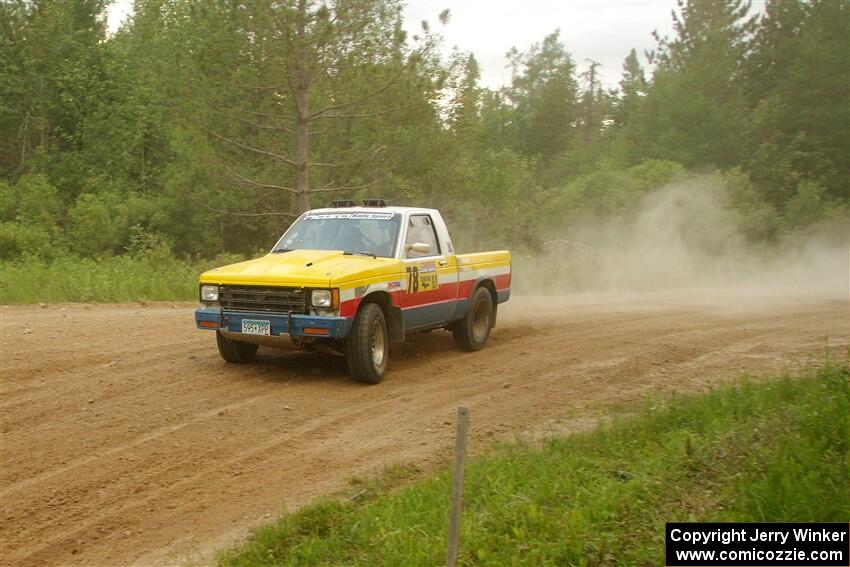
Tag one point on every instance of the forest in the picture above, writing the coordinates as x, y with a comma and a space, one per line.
201, 128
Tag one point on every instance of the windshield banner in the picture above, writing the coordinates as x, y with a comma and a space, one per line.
358, 216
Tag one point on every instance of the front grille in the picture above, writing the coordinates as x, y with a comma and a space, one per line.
268, 299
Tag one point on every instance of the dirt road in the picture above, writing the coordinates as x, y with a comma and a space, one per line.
126, 440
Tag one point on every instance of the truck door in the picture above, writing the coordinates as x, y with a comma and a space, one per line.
430, 295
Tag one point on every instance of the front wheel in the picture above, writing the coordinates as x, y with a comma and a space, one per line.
235, 351
471, 332
368, 345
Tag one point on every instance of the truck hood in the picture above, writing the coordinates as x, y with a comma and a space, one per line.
307, 268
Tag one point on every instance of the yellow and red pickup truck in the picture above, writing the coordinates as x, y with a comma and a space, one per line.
349, 280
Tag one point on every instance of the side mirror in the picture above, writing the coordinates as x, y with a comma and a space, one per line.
420, 247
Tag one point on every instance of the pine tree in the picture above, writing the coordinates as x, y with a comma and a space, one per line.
591, 100
696, 108
465, 106
316, 68
544, 96
633, 87
799, 82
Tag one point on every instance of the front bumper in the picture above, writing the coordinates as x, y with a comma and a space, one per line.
211, 318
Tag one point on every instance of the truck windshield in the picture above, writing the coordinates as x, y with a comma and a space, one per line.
352, 232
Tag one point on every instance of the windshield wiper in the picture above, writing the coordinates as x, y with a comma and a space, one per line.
281, 250
355, 252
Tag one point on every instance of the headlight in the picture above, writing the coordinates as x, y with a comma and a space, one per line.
209, 293
321, 298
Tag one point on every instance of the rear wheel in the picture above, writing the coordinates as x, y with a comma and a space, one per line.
471, 332
368, 347
235, 351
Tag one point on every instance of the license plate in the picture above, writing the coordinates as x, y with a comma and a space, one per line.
256, 327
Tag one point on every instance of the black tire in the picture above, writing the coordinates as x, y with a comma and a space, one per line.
368, 346
235, 351
471, 332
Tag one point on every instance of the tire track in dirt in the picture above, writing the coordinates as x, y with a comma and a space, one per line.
130, 442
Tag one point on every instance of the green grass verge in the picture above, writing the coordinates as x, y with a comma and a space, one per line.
773, 450
114, 279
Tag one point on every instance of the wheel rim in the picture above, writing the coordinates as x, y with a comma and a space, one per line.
379, 349
480, 320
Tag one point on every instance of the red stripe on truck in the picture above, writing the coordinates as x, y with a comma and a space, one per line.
446, 292
502, 282
349, 308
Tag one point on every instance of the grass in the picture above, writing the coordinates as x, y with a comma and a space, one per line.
114, 279
774, 450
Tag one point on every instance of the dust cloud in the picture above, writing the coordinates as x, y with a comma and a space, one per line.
686, 236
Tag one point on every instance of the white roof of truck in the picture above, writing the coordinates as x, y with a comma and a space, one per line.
396, 210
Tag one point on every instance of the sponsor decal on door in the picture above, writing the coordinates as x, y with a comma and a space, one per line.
422, 278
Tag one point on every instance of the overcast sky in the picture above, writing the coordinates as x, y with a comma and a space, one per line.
603, 30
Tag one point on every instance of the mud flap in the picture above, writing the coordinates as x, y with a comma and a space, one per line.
395, 321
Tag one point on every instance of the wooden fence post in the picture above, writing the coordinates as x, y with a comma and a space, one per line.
457, 487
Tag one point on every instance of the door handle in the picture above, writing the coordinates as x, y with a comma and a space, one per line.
443, 262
